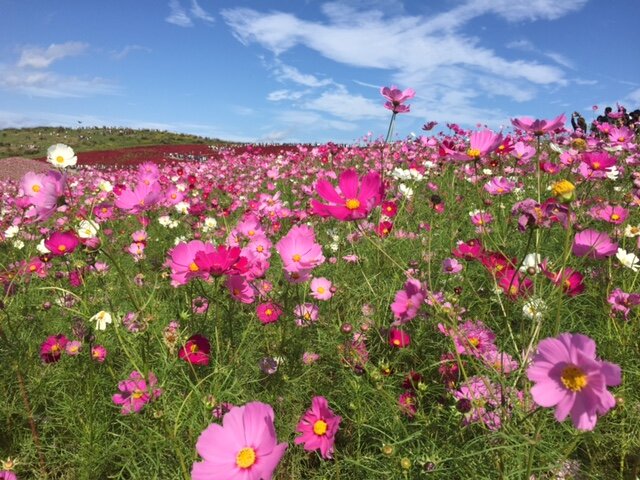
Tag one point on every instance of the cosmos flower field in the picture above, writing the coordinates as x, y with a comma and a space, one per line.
457, 305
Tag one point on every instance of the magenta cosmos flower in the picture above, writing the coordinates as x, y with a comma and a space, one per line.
244, 447
196, 350
568, 376
182, 261
136, 392
61, 243
396, 98
481, 143
52, 348
318, 427
539, 127
356, 197
593, 244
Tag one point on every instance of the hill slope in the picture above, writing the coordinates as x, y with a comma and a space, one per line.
33, 142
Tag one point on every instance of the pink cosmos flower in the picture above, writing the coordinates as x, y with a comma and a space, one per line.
182, 262
478, 400
62, 243
499, 186
199, 305
73, 348
407, 403
306, 314
355, 200
240, 289
469, 250
593, 244
570, 280
196, 350
613, 214
136, 392
244, 447
594, 165
268, 312
501, 362
471, 338
318, 427
43, 192
8, 475
396, 98
539, 127
451, 266
98, 353
141, 198
569, 377
623, 302
299, 250
481, 143
407, 302
321, 288
52, 348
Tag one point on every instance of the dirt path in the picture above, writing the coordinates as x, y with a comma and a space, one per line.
14, 168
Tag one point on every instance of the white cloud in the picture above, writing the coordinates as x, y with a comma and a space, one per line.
178, 15
36, 57
345, 105
128, 49
286, 72
198, 12
48, 84
284, 94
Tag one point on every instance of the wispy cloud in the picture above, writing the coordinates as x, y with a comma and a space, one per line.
179, 16
284, 94
128, 49
38, 57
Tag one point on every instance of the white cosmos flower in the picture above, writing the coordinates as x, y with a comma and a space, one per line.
88, 229
41, 248
101, 318
12, 231
534, 309
105, 185
182, 207
531, 263
405, 190
61, 156
19, 244
628, 259
164, 220
632, 230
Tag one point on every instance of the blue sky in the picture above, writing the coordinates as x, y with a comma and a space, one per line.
307, 71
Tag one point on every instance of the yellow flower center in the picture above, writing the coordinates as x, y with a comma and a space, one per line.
60, 159
105, 209
615, 216
307, 316
137, 394
32, 268
621, 139
596, 165
55, 348
320, 427
260, 248
473, 152
397, 342
352, 203
36, 188
251, 233
513, 290
62, 248
296, 257
320, 289
246, 458
573, 378
268, 311
193, 267
474, 341
194, 348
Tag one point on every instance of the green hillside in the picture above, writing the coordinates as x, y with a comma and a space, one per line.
33, 142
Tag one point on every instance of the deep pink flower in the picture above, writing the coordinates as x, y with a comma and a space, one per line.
196, 350
136, 392
318, 427
356, 199
98, 353
240, 289
8, 475
62, 243
399, 338
268, 312
407, 403
222, 261
569, 377
478, 400
570, 280
244, 447
623, 302
396, 98
593, 244
594, 165
469, 250
613, 214
539, 127
52, 348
